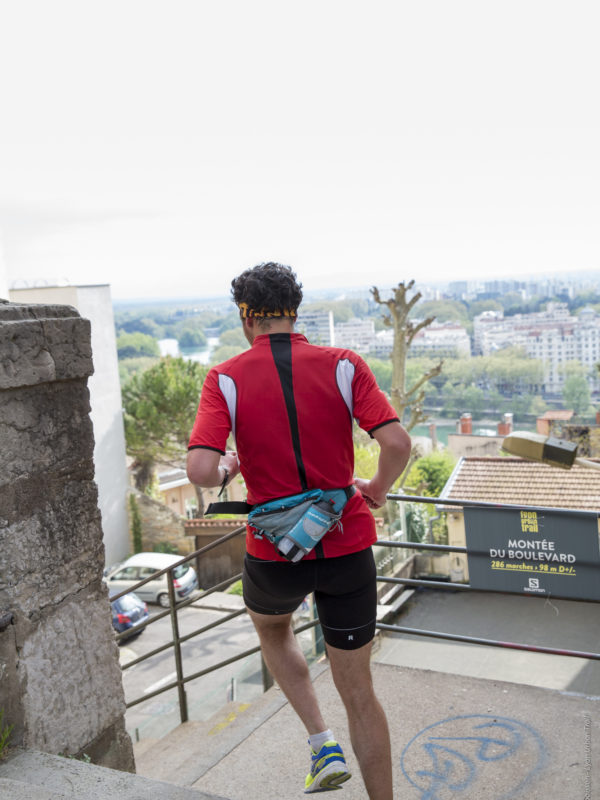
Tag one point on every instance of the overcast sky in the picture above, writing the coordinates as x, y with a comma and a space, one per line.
162, 147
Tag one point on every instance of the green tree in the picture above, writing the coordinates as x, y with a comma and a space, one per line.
191, 338
160, 405
442, 310
521, 405
576, 390
538, 406
131, 366
479, 306
136, 524
473, 400
431, 472
234, 337
134, 345
365, 461
383, 373
229, 321
145, 325
226, 351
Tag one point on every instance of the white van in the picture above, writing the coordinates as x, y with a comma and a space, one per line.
141, 566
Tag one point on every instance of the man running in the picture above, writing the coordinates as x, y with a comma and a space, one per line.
290, 406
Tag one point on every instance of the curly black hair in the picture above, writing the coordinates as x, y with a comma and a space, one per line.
269, 287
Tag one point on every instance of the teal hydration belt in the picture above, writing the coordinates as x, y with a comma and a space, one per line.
294, 524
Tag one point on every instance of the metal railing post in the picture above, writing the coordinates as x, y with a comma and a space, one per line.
183, 709
267, 678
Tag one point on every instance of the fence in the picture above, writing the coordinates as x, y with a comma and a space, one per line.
181, 679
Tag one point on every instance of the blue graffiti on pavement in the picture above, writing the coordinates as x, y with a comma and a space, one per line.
473, 752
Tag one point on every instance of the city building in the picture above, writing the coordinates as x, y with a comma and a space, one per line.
317, 326
94, 303
445, 339
383, 344
553, 336
356, 334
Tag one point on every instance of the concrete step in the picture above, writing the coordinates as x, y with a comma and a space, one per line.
164, 758
139, 748
191, 750
31, 775
186, 753
17, 790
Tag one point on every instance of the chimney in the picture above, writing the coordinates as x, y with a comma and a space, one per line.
465, 423
506, 425
433, 436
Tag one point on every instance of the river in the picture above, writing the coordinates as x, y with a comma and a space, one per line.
170, 347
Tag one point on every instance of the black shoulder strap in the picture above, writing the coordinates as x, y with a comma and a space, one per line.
242, 507
229, 507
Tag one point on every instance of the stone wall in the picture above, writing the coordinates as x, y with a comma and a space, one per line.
60, 682
161, 525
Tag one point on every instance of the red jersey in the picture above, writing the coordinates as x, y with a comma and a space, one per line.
290, 406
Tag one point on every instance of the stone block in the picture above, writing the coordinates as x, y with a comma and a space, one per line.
40, 344
45, 428
113, 748
53, 550
69, 674
10, 696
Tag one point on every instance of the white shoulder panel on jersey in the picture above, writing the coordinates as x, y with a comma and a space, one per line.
344, 375
229, 390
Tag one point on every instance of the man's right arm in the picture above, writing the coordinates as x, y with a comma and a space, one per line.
395, 445
205, 467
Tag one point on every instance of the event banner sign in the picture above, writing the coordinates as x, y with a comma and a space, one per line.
533, 552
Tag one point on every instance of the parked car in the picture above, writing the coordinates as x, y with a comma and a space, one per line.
128, 611
143, 565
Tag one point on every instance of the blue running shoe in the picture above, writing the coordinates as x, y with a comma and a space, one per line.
328, 769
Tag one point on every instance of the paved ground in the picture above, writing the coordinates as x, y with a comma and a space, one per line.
467, 721
453, 738
511, 618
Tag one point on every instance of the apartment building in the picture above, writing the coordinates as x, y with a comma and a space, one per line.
356, 334
553, 336
444, 340
317, 326
382, 345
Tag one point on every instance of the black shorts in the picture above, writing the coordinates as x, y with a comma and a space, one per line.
345, 593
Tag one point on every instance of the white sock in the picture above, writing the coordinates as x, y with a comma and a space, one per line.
317, 740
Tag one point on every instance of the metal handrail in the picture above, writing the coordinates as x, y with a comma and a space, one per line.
221, 540
447, 501
181, 604
174, 606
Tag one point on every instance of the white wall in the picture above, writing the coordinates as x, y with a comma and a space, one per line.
3, 274
94, 303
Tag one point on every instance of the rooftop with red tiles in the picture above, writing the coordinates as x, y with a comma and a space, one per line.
561, 414
520, 482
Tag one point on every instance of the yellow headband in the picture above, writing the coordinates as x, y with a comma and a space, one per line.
251, 312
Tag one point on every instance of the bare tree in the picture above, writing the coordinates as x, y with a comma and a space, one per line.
405, 399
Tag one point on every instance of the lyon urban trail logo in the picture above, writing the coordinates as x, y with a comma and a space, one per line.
462, 755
